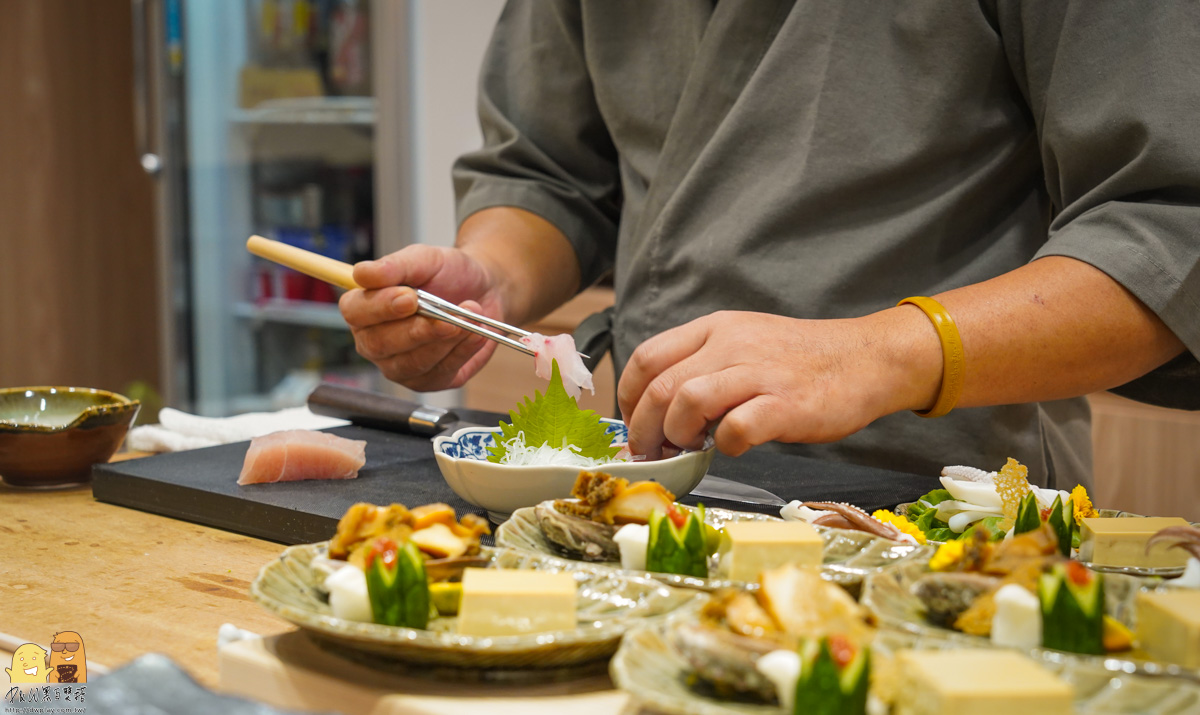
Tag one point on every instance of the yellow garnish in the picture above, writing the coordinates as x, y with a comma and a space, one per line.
948, 554
904, 525
446, 596
1012, 484
1082, 504
1116, 636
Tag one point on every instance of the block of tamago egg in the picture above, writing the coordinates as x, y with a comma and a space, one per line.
979, 682
1168, 625
1121, 541
750, 547
506, 602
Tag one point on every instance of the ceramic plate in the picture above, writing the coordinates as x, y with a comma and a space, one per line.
849, 555
1166, 572
889, 596
501, 489
658, 676
609, 604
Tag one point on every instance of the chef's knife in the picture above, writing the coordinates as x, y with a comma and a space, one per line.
720, 488
383, 412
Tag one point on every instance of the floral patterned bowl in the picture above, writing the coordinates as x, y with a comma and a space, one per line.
502, 488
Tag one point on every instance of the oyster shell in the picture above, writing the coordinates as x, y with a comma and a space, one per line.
590, 540
725, 660
947, 595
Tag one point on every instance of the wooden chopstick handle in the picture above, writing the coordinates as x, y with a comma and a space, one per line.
309, 263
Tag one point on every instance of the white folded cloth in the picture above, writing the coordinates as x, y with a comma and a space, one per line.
178, 431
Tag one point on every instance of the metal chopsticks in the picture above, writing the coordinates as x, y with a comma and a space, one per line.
429, 305
434, 307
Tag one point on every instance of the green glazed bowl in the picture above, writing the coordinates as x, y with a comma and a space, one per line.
51, 436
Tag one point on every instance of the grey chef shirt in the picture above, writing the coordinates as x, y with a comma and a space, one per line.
825, 158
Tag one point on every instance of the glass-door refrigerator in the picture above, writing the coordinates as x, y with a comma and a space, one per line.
267, 117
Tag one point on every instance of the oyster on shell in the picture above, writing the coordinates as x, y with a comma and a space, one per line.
946, 596
577, 535
725, 660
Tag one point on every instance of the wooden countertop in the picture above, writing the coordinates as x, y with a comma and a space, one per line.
132, 583
128, 582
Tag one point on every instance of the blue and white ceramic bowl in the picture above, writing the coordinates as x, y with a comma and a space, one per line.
501, 489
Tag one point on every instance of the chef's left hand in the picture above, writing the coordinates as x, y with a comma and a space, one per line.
762, 377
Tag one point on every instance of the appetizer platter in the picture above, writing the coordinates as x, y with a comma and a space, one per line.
415, 588
1022, 593
658, 675
611, 522
1004, 502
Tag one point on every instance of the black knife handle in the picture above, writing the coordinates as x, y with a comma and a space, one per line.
371, 409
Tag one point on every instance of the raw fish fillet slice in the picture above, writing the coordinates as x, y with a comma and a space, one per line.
293, 455
547, 349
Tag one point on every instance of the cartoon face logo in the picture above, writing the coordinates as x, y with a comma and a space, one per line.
28, 664
68, 662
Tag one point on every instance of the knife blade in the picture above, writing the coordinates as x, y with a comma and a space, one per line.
713, 487
384, 412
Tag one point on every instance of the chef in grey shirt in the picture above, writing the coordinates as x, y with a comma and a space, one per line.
766, 179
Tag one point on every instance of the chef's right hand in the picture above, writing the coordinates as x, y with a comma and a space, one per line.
418, 352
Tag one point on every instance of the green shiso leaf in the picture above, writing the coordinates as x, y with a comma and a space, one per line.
555, 419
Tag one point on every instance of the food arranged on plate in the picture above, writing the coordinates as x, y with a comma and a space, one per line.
537, 454
1002, 502
551, 429
640, 528
1114, 541
972, 680
839, 515
608, 522
802, 645
1168, 626
958, 584
394, 560
758, 644
1022, 593
415, 585
639, 524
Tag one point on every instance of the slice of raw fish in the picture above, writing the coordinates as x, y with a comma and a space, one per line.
293, 455
561, 347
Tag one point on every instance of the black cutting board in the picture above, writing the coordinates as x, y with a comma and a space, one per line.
201, 486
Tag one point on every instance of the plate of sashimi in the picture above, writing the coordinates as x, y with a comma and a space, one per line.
534, 456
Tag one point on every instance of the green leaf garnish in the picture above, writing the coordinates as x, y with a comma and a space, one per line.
555, 419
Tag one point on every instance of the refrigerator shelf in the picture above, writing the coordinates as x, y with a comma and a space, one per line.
310, 110
293, 312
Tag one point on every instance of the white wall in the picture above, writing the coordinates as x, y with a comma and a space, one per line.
448, 40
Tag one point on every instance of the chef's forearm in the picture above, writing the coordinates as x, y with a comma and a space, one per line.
533, 264
1052, 329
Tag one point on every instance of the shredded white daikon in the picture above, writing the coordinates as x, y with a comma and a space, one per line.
522, 455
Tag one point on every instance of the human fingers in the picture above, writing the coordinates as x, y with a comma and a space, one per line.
701, 401
413, 265
385, 340
455, 367
365, 308
647, 420
754, 422
652, 358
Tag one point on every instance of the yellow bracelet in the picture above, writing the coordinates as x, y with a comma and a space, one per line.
953, 357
